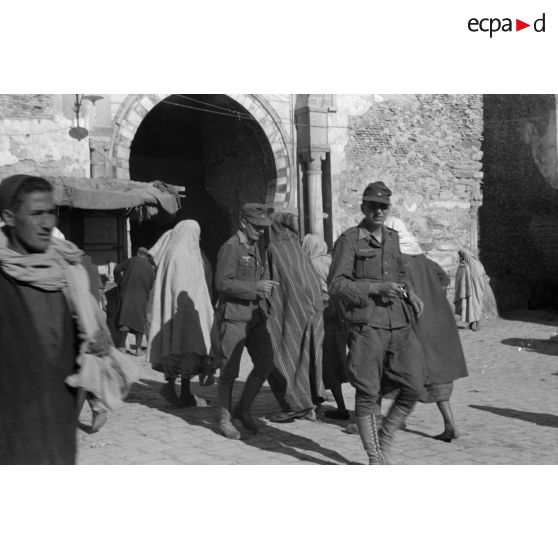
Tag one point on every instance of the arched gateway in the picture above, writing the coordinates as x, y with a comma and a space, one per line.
225, 150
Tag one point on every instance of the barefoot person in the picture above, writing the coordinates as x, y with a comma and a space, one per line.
435, 328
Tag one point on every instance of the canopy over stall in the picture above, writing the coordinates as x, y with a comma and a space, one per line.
93, 212
114, 193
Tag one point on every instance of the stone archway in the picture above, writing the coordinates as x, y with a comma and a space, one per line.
134, 108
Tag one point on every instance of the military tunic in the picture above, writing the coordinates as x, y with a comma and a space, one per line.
382, 345
241, 312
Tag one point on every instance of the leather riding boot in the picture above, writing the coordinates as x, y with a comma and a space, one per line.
226, 427
249, 393
370, 441
393, 422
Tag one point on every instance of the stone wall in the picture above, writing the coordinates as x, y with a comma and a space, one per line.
519, 216
34, 137
27, 106
427, 149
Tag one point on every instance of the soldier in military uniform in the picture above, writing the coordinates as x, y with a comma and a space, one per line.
367, 274
242, 281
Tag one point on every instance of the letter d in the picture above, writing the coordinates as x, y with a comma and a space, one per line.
535, 25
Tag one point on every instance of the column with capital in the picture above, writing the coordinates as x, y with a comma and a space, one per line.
313, 162
311, 119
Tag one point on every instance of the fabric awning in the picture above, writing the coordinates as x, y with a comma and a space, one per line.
115, 193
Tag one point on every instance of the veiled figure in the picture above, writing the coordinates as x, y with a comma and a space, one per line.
296, 321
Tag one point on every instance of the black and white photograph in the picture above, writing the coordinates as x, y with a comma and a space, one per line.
279, 279
239, 241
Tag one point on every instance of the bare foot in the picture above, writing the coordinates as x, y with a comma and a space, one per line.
448, 435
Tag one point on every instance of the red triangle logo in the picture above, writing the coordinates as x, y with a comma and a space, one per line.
519, 25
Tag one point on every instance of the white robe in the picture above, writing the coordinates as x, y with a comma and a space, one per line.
181, 315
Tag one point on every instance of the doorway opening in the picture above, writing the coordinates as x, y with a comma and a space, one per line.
211, 145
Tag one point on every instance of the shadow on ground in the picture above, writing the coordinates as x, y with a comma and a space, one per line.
541, 419
542, 346
543, 317
268, 438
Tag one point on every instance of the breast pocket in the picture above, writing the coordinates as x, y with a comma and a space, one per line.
368, 264
246, 268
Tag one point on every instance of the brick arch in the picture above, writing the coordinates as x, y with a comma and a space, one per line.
135, 108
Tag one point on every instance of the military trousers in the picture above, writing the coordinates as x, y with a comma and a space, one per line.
233, 337
378, 356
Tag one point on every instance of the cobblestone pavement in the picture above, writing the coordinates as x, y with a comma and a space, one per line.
506, 409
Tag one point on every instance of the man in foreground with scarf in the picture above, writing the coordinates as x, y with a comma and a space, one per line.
46, 310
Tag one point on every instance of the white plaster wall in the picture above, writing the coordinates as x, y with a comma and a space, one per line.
42, 147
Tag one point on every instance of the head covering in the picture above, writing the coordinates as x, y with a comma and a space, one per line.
314, 245
469, 287
407, 241
283, 224
471, 260
295, 322
377, 192
182, 314
10, 185
255, 214
316, 248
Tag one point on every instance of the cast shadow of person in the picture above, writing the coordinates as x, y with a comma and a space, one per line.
540, 419
181, 332
268, 438
542, 346
186, 321
546, 316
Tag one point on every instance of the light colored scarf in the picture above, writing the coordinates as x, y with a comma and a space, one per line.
47, 270
407, 241
181, 314
110, 377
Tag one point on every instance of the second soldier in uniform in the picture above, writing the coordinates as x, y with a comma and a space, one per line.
242, 281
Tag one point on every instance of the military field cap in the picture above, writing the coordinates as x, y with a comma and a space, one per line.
377, 192
10, 185
256, 214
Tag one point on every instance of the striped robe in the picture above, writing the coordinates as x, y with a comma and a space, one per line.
296, 322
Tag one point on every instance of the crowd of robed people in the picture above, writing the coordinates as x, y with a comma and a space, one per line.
373, 314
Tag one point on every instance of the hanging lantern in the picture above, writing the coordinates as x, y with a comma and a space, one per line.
78, 132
